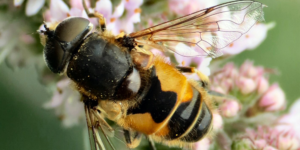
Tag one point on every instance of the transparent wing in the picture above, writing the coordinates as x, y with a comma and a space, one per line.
204, 32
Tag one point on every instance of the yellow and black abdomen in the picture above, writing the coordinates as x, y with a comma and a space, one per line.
172, 109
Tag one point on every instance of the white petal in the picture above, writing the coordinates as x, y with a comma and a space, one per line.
58, 10
18, 2
119, 10
204, 66
104, 7
33, 6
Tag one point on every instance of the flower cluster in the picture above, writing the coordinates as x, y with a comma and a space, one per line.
268, 138
248, 83
244, 98
248, 105
115, 20
67, 104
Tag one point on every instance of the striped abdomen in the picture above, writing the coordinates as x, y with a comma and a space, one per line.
173, 108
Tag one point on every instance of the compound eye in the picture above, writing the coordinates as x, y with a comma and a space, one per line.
62, 42
72, 27
54, 56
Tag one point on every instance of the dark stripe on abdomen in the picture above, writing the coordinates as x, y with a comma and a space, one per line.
202, 126
184, 116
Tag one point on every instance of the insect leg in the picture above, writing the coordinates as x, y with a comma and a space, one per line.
101, 123
132, 140
203, 78
152, 144
91, 129
100, 17
96, 123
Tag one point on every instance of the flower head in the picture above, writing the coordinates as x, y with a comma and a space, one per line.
67, 104
32, 6
272, 138
115, 22
247, 80
250, 40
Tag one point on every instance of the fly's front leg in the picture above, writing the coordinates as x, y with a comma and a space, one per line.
96, 124
95, 142
100, 17
203, 78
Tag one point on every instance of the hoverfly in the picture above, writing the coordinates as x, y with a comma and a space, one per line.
122, 81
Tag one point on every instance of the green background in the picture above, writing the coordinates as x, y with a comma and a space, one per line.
24, 124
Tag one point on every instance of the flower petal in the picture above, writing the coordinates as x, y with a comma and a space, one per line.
33, 6
58, 10
133, 4
18, 3
104, 7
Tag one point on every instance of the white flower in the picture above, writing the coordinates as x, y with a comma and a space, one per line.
67, 104
32, 6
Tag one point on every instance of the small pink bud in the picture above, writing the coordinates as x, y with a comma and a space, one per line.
273, 99
263, 85
246, 85
229, 108
217, 121
246, 68
203, 144
228, 68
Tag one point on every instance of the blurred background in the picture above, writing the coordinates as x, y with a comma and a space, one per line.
25, 124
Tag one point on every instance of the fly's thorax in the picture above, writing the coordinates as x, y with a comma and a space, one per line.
103, 70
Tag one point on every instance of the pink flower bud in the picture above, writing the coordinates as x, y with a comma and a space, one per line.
246, 85
228, 68
230, 108
247, 69
263, 85
217, 121
203, 144
227, 84
273, 99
